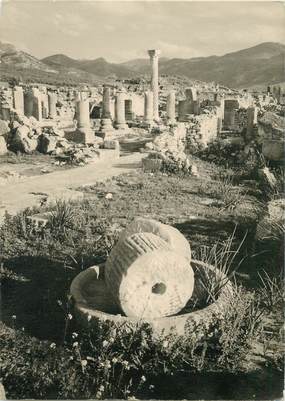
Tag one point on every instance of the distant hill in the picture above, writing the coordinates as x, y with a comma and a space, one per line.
99, 66
256, 66
17, 64
10, 56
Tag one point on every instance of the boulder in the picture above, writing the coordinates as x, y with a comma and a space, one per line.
24, 141
3, 146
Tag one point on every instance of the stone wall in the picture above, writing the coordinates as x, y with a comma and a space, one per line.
271, 128
201, 130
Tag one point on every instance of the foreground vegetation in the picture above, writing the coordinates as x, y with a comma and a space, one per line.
39, 263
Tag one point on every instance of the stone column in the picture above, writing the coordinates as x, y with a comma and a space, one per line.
251, 121
106, 122
52, 99
170, 108
37, 104
154, 54
148, 107
183, 110
83, 121
28, 103
106, 111
45, 104
120, 118
18, 99
83, 114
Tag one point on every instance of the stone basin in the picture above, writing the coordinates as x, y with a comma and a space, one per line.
93, 301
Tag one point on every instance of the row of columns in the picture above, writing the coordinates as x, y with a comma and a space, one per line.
33, 103
120, 109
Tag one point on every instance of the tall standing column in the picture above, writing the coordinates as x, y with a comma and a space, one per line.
148, 107
170, 107
154, 54
120, 118
52, 99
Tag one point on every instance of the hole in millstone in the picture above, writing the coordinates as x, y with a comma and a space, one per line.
158, 288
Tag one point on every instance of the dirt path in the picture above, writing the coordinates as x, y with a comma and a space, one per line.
61, 184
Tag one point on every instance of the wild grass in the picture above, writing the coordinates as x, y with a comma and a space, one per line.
221, 256
271, 290
224, 190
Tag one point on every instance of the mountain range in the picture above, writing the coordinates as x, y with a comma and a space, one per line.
259, 65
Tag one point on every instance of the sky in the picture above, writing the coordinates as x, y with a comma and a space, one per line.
124, 30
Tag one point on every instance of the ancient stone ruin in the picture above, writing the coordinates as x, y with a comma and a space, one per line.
149, 276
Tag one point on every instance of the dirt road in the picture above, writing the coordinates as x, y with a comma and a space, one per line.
61, 184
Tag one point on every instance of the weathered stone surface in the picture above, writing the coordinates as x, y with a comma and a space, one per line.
154, 55
3, 146
93, 301
111, 144
147, 278
171, 235
24, 141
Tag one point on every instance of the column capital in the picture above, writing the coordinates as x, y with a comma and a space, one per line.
154, 53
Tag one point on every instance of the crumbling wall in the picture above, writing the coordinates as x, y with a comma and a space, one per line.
201, 130
271, 128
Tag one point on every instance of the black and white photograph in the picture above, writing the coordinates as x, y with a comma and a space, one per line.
142, 200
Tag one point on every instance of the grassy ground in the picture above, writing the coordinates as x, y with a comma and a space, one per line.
29, 165
39, 266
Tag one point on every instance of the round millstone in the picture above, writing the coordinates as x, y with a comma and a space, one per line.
147, 278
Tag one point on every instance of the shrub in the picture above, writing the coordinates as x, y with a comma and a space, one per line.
73, 230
